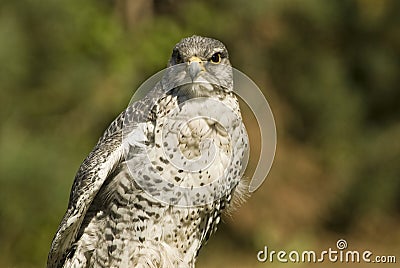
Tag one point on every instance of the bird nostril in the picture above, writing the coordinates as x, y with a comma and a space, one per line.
195, 59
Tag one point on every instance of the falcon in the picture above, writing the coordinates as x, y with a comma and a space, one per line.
151, 192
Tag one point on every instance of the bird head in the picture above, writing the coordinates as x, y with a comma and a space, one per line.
203, 60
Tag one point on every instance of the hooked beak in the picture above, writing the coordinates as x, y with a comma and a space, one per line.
195, 67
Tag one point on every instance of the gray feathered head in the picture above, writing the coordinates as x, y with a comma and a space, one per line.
198, 59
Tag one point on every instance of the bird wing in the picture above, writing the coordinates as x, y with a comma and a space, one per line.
91, 175
98, 165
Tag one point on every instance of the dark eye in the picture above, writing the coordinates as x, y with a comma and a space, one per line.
178, 57
216, 58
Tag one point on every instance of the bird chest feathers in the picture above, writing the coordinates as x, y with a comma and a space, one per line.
186, 140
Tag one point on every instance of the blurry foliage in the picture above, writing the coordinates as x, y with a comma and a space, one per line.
329, 69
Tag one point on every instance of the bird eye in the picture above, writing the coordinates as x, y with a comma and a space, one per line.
178, 58
216, 58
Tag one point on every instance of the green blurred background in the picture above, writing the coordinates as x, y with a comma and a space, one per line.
329, 69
